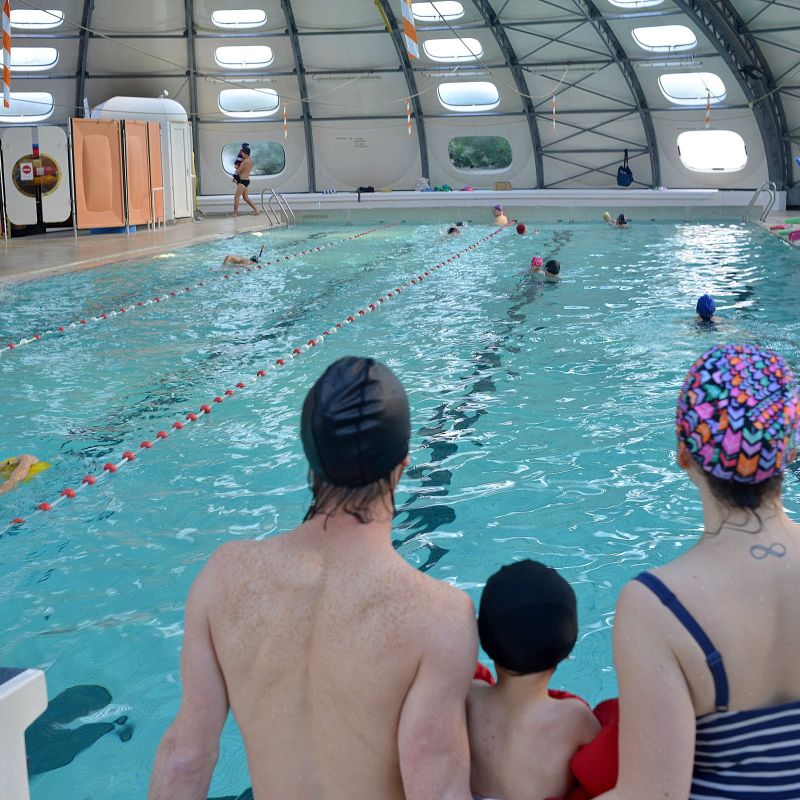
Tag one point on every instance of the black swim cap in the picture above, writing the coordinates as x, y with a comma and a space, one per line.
356, 423
246, 151
553, 266
622, 220
528, 620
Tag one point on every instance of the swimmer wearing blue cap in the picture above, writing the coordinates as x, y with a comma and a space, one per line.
705, 309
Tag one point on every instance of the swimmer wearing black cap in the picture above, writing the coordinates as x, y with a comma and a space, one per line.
324, 639
521, 738
552, 268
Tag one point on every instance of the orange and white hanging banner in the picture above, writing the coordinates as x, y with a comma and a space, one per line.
410, 30
285, 126
408, 114
6, 54
554, 110
708, 109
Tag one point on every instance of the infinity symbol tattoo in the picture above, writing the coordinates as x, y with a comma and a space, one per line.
760, 552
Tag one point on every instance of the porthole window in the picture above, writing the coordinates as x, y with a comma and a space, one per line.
33, 59
469, 96
248, 102
440, 10
635, 3
712, 151
489, 153
34, 19
269, 158
665, 38
244, 56
692, 88
28, 107
453, 49
239, 18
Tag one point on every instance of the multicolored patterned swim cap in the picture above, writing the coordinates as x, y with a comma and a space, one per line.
738, 413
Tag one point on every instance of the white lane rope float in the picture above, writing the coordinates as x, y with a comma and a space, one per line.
128, 456
163, 297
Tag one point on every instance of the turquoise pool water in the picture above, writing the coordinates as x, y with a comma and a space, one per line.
542, 427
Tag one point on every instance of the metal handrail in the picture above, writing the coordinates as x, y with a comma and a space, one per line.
273, 218
771, 189
287, 210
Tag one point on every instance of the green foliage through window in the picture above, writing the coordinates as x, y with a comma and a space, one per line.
480, 152
269, 158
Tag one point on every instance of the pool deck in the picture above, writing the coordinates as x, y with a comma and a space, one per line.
779, 218
36, 257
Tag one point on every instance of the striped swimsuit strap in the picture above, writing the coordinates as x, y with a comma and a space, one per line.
713, 658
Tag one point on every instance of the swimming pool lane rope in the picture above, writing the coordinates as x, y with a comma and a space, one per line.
192, 417
76, 325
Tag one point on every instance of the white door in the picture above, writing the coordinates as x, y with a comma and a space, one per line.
181, 168
18, 175
54, 169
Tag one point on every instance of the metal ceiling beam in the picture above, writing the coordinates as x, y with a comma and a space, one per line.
411, 83
291, 29
191, 76
493, 22
738, 47
83, 51
603, 29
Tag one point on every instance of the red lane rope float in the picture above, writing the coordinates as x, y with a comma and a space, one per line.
128, 455
108, 314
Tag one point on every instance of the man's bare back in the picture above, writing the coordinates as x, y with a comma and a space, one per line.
244, 168
319, 646
346, 668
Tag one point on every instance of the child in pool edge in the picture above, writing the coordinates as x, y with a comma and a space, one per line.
521, 738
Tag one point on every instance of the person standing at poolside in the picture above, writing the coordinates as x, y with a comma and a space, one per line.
242, 179
706, 646
346, 668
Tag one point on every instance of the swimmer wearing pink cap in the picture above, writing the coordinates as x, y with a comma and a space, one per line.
536, 265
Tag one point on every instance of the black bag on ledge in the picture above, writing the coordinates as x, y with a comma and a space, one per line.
624, 174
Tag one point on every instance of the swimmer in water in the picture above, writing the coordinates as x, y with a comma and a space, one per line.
233, 259
536, 266
454, 230
522, 229
705, 308
22, 467
521, 738
499, 217
460, 224
622, 221
551, 270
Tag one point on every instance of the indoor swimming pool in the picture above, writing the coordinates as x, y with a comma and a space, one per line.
542, 427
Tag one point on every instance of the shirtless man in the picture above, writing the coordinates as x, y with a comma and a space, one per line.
345, 667
242, 179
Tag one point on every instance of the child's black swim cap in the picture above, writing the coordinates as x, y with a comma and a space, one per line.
356, 423
528, 620
553, 267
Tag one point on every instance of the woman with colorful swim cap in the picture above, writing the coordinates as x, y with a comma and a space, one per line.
706, 647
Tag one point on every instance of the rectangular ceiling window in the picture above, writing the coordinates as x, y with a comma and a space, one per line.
248, 102
692, 88
488, 153
34, 19
440, 10
244, 56
635, 3
240, 18
453, 49
712, 151
269, 158
469, 96
28, 107
665, 38
33, 59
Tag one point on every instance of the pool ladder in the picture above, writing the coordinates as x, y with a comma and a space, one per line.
284, 209
771, 189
